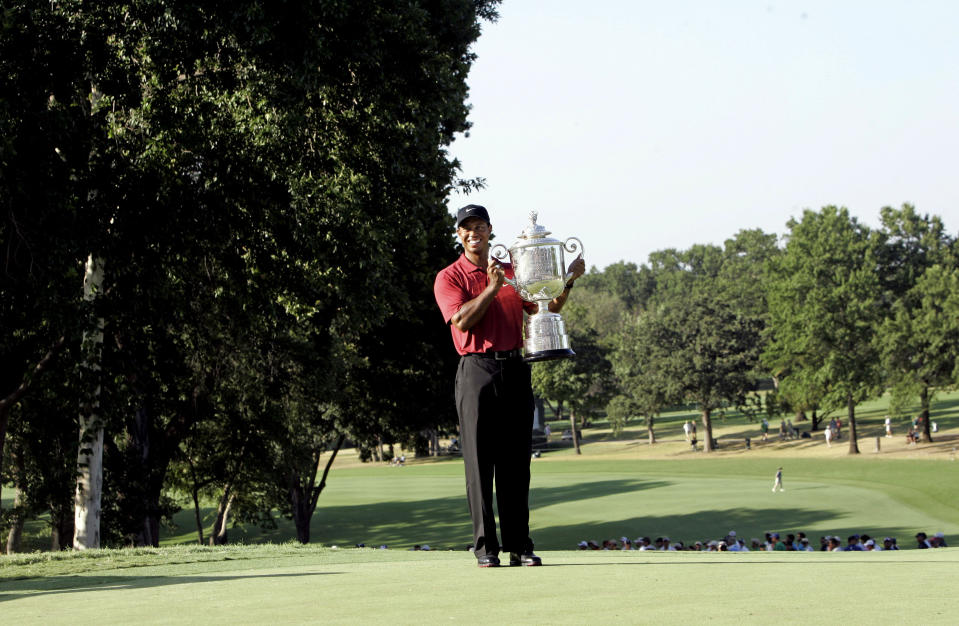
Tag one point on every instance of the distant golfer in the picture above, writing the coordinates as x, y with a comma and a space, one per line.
779, 480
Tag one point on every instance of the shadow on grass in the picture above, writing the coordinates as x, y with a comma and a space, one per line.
443, 522
35, 587
748, 523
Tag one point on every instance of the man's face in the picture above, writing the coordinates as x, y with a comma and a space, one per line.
474, 235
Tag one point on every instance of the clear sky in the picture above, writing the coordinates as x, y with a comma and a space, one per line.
641, 125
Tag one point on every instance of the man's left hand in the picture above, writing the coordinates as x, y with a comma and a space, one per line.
577, 268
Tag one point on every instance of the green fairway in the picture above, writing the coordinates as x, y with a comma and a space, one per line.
292, 584
695, 499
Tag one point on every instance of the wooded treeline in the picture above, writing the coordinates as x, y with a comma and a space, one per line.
828, 315
262, 189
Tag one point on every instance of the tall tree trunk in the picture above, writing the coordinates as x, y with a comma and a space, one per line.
924, 414
800, 416
649, 429
90, 456
219, 535
708, 430
853, 443
61, 528
303, 497
18, 514
301, 514
572, 423
815, 421
196, 514
17, 518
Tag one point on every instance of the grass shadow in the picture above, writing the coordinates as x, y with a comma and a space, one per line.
749, 524
56, 585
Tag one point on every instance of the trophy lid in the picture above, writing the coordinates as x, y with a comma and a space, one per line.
533, 234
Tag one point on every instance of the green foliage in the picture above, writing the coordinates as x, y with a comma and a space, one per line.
266, 184
823, 306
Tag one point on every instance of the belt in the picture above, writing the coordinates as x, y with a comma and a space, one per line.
501, 355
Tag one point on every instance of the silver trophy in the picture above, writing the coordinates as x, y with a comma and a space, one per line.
539, 276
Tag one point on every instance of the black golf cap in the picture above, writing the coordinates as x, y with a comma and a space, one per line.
471, 210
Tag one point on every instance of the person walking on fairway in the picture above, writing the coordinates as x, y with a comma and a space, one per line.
779, 480
494, 396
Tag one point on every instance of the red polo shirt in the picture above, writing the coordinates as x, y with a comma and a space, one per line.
501, 326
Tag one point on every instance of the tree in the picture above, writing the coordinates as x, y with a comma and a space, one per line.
643, 388
823, 309
919, 339
700, 349
915, 336
581, 382
245, 171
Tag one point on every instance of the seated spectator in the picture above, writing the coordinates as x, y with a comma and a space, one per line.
853, 545
779, 545
870, 546
804, 545
921, 541
756, 545
582, 545
889, 543
834, 545
768, 545
939, 541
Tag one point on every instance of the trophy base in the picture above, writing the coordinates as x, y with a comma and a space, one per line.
549, 355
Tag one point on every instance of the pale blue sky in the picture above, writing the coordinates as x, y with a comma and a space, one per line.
644, 125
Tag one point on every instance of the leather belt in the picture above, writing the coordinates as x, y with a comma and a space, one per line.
499, 355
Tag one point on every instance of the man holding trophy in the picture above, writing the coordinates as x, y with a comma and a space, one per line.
494, 397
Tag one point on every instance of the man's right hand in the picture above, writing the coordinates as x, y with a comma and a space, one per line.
496, 274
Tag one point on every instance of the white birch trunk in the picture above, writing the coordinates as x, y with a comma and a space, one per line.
86, 501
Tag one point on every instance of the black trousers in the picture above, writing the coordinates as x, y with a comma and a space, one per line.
494, 400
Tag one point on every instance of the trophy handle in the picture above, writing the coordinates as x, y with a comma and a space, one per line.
576, 246
501, 254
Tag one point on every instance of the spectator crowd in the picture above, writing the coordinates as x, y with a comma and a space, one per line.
771, 542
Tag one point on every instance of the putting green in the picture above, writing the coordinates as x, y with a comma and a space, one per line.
402, 587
